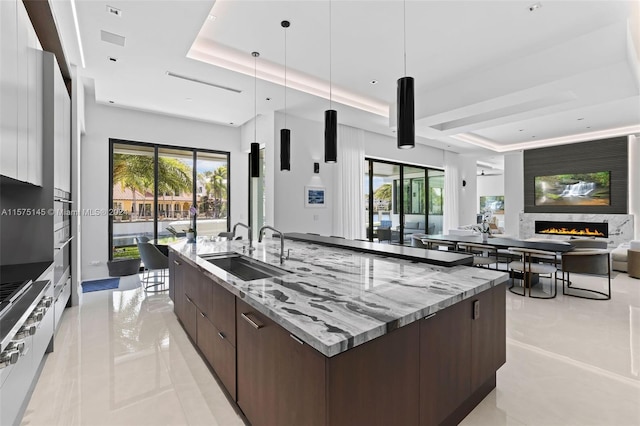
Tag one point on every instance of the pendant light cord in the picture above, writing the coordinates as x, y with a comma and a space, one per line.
255, 97
330, 79
404, 31
285, 77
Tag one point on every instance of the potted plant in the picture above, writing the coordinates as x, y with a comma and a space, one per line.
485, 229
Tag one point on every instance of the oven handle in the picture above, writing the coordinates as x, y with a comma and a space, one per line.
62, 200
63, 244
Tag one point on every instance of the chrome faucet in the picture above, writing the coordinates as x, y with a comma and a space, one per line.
281, 240
251, 248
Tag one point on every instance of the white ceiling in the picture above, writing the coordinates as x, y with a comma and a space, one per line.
487, 72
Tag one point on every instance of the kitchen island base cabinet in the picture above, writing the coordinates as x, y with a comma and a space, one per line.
219, 353
281, 381
432, 371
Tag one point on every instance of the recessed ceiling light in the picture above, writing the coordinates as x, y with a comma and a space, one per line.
580, 119
211, 17
188, 99
268, 99
231, 122
521, 130
111, 102
533, 136
112, 59
588, 127
374, 82
535, 7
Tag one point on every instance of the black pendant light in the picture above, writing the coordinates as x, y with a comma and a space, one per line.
330, 117
406, 114
255, 146
285, 134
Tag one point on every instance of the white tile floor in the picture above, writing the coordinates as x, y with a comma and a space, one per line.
122, 359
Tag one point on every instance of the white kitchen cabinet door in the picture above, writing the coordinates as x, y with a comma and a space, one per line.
62, 134
24, 23
66, 133
8, 88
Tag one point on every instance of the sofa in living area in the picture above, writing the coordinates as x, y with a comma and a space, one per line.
411, 228
626, 258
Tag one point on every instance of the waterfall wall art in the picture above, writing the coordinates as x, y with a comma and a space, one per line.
578, 189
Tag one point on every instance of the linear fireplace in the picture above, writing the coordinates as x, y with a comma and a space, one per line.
590, 229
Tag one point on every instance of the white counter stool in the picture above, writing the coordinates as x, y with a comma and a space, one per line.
534, 263
589, 262
483, 254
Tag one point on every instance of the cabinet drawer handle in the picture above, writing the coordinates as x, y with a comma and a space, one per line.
296, 339
176, 262
202, 315
250, 321
430, 316
188, 299
222, 336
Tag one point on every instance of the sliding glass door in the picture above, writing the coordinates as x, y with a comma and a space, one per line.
159, 192
401, 200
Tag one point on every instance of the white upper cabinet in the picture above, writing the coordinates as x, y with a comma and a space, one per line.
8, 89
61, 133
21, 88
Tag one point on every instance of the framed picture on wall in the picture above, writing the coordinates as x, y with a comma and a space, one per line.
314, 196
495, 203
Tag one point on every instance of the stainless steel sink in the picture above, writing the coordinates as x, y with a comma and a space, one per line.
244, 267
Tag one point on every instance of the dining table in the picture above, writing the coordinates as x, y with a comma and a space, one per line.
502, 242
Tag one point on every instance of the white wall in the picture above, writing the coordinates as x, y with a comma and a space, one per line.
491, 185
513, 192
104, 122
468, 200
307, 147
386, 148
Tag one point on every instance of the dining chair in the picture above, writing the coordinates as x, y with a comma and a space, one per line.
531, 264
432, 244
589, 262
153, 260
483, 254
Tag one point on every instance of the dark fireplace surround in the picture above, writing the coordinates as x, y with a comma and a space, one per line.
579, 229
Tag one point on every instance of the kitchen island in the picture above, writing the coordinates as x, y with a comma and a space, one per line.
340, 336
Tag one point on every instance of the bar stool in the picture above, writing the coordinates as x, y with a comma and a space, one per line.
483, 254
533, 262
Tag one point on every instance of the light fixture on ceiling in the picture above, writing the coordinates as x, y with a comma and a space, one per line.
535, 7
406, 113
374, 82
330, 116
285, 134
255, 146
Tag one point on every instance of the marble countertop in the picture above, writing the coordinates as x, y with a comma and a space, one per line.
335, 299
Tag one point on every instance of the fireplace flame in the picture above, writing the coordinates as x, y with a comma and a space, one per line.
567, 231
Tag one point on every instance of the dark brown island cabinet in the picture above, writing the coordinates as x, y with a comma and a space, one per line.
430, 372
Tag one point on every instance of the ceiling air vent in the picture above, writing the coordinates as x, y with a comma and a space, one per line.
113, 11
112, 38
195, 80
